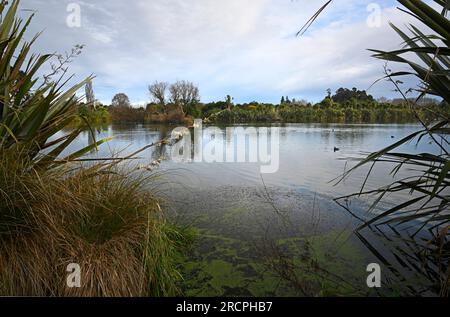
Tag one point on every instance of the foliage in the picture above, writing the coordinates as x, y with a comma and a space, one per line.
31, 114
426, 207
120, 100
127, 114
253, 112
99, 217
433, 177
344, 95
327, 111
346, 106
92, 116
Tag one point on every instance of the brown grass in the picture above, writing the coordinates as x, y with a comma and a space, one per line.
107, 223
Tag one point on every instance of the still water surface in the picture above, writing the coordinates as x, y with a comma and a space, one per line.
239, 212
307, 157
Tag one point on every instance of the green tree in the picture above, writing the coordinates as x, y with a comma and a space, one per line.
344, 95
121, 100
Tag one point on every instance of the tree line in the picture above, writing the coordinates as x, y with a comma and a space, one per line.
180, 102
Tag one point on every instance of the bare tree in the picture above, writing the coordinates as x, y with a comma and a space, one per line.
158, 93
121, 101
175, 94
184, 94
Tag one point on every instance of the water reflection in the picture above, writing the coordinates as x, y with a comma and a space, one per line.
307, 156
235, 206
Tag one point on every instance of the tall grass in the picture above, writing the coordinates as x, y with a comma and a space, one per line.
54, 212
107, 223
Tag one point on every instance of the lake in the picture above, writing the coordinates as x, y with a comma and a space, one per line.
274, 234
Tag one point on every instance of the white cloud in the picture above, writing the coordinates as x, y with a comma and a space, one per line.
246, 48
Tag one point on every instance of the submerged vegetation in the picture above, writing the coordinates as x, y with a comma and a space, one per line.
54, 211
225, 266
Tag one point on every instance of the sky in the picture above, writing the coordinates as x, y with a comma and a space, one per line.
244, 48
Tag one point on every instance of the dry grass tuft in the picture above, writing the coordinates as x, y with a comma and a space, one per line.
107, 223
